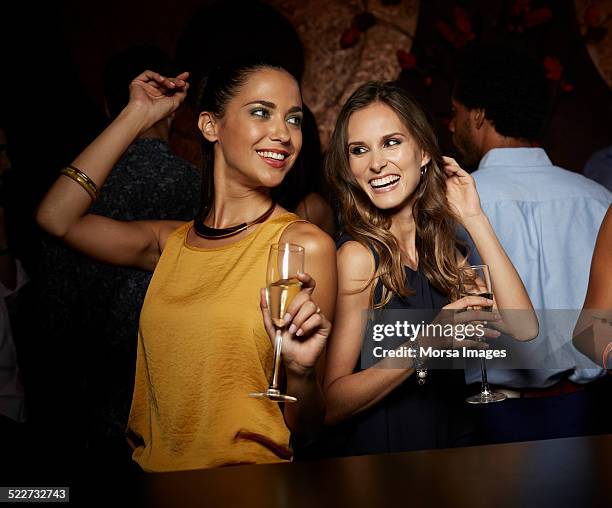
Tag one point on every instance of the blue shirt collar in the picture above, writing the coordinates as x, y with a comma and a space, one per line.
515, 157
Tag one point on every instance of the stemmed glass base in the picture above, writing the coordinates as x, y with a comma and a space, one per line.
285, 263
274, 395
485, 397
468, 286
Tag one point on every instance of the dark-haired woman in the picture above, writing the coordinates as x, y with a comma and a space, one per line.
203, 345
400, 202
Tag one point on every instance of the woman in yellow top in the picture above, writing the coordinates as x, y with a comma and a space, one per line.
203, 345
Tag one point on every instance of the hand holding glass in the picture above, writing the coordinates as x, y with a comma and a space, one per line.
285, 261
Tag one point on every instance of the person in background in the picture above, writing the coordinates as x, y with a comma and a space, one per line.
83, 298
204, 337
546, 219
399, 201
12, 279
302, 190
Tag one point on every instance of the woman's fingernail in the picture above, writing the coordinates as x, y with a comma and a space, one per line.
292, 328
287, 318
299, 332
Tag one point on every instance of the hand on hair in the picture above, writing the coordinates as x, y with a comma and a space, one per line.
306, 330
157, 96
461, 191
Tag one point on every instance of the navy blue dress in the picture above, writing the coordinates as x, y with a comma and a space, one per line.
412, 416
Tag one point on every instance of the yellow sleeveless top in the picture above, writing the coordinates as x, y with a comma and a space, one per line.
202, 348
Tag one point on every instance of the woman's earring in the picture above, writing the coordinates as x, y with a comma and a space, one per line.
424, 170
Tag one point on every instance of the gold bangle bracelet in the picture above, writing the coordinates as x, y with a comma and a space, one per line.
91, 184
83, 180
83, 183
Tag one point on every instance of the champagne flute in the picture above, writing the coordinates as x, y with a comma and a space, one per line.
468, 277
285, 261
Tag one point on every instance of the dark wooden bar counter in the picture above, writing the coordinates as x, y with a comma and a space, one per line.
574, 472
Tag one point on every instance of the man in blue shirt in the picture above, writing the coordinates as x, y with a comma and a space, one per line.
547, 219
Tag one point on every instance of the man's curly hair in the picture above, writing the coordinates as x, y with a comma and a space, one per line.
508, 84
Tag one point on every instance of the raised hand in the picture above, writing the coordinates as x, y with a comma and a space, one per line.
306, 332
157, 96
461, 191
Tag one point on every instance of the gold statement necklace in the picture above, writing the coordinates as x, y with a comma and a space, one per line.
205, 231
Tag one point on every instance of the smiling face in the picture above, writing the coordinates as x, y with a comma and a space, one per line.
259, 135
383, 157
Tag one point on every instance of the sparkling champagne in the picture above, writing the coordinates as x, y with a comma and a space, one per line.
280, 295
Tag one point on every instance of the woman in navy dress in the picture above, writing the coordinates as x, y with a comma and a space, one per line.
400, 203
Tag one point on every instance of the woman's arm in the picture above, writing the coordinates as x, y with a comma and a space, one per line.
62, 212
599, 292
593, 331
509, 291
349, 393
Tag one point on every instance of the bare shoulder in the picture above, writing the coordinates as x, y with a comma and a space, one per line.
355, 263
312, 238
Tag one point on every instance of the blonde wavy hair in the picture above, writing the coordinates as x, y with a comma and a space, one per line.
435, 221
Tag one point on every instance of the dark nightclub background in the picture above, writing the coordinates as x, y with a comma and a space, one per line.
51, 106
54, 55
